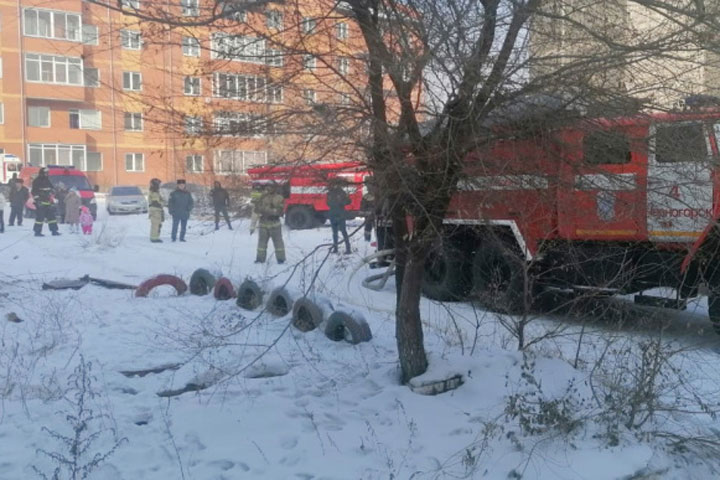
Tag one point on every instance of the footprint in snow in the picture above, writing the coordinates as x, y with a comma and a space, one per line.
289, 443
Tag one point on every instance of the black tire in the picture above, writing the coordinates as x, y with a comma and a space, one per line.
498, 277
223, 289
299, 218
714, 311
201, 282
249, 295
279, 302
446, 275
307, 315
342, 326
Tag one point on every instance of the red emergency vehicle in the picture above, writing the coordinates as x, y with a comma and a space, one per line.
69, 177
306, 186
609, 205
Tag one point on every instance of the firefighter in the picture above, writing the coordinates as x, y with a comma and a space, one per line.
269, 208
255, 194
337, 200
155, 210
42, 192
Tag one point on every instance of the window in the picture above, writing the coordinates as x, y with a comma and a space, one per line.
274, 93
227, 162
39, 116
274, 57
51, 24
343, 65
606, 147
134, 162
190, 8
134, 4
233, 9
309, 62
132, 81
251, 88
93, 162
341, 30
193, 125
240, 124
192, 86
309, 96
274, 19
131, 40
344, 99
90, 34
53, 69
86, 119
680, 143
42, 154
308, 24
194, 163
241, 48
191, 47
133, 122
92, 77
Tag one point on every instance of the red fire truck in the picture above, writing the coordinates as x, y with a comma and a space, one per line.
306, 188
608, 205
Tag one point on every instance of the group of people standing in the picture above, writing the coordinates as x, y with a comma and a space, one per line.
49, 202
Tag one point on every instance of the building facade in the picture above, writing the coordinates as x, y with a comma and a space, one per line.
127, 99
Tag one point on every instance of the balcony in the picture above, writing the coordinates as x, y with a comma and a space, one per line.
54, 92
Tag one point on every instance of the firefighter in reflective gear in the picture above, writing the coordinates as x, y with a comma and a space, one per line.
42, 191
155, 210
269, 208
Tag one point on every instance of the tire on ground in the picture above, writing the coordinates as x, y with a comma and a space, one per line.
498, 277
279, 302
201, 282
446, 275
343, 326
307, 315
176, 282
224, 289
249, 295
299, 218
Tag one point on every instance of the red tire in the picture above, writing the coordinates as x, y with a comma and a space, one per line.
224, 289
163, 279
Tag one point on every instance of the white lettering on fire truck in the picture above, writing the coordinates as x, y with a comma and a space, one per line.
611, 182
680, 212
504, 182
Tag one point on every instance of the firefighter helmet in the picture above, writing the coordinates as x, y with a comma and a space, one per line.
155, 182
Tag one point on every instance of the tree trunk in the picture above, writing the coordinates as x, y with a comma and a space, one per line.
408, 328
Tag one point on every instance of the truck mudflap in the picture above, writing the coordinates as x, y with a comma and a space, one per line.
697, 245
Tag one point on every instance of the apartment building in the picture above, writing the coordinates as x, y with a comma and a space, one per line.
126, 100
664, 61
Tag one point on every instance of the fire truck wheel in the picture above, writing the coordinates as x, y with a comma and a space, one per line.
176, 282
307, 315
714, 311
341, 326
249, 295
223, 289
299, 218
446, 275
279, 303
497, 273
201, 282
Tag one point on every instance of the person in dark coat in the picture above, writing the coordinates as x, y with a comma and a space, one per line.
19, 195
337, 200
42, 192
221, 202
179, 205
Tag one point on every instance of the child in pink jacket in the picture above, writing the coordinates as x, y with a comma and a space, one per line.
86, 220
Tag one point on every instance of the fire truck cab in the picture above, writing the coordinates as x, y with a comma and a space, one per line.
306, 186
608, 205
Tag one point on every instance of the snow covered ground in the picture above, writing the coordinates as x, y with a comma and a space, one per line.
289, 405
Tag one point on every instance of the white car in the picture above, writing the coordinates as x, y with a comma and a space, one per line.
126, 199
